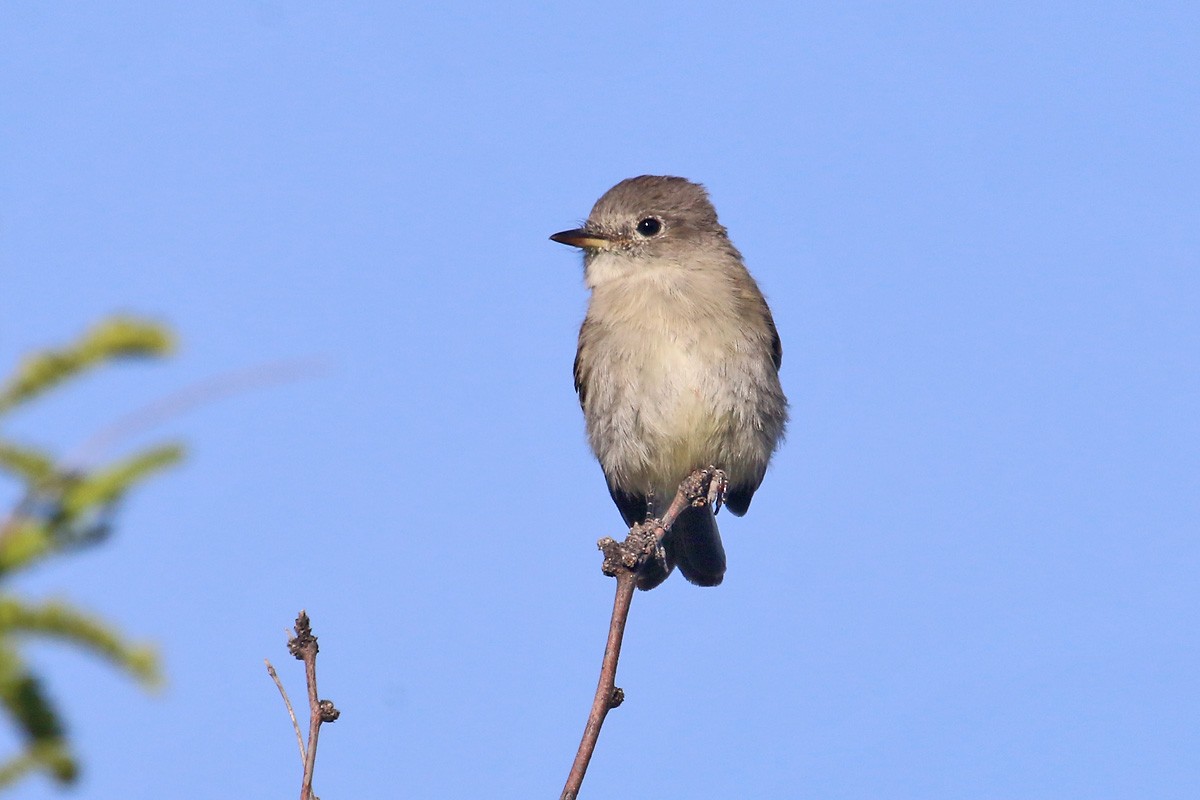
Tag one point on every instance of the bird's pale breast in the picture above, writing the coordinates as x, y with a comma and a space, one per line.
663, 398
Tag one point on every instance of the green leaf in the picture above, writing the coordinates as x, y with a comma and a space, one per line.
104, 486
54, 757
22, 695
38, 721
62, 621
31, 464
116, 337
22, 542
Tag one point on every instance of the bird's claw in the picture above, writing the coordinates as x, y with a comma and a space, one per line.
717, 485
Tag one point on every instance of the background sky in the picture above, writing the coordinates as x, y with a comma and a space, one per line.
972, 569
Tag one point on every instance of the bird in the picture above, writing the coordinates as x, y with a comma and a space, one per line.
677, 367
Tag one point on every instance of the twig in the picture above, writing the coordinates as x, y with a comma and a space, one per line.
196, 395
623, 560
304, 647
287, 702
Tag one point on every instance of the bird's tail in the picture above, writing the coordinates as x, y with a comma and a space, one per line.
694, 545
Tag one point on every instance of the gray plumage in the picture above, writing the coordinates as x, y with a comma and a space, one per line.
678, 361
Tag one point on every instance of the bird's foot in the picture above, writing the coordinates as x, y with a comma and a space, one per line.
648, 539
704, 487
641, 552
716, 489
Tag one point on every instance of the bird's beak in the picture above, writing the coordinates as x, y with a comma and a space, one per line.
582, 237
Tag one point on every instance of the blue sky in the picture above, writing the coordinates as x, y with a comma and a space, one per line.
971, 571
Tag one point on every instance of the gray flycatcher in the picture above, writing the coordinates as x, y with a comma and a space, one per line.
678, 362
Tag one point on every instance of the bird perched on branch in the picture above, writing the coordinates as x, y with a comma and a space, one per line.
678, 363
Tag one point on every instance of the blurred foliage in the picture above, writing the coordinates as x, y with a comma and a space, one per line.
62, 509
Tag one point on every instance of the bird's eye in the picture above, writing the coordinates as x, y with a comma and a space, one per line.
649, 226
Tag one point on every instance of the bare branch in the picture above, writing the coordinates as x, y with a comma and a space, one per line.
304, 647
287, 702
623, 560
190, 397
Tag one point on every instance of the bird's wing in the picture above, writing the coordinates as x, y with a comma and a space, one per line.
581, 376
776, 345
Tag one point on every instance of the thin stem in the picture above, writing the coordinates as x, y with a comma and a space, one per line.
314, 719
303, 646
608, 696
190, 397
623, 561
295, 725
